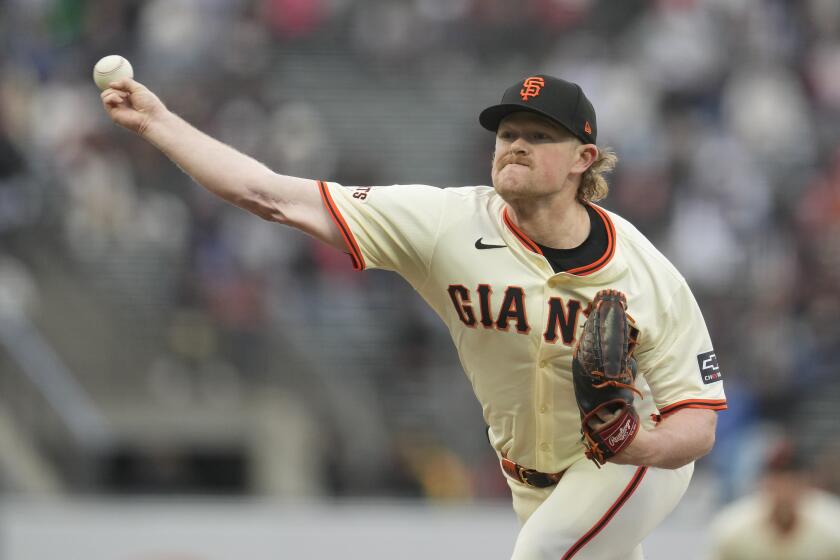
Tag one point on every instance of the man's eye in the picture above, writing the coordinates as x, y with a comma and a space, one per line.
505, 135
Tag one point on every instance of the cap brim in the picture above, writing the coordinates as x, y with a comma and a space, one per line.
491, 117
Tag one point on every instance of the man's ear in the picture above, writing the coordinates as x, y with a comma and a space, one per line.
586, 156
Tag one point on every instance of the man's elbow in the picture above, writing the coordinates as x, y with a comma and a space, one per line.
259, 203
700, 444
708, 443
707, 434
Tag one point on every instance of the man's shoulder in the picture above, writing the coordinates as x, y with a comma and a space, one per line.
629, 233
478, 192
472, 192
416, 195
641, 248
453, 204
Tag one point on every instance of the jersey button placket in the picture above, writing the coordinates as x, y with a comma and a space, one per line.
544, 431
544, 391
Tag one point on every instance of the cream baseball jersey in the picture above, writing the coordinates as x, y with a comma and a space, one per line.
515, 322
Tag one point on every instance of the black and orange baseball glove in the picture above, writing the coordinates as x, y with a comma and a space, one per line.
604, 372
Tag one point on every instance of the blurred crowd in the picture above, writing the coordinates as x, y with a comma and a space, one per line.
725, 115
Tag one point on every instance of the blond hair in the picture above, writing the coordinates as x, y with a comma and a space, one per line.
593, 186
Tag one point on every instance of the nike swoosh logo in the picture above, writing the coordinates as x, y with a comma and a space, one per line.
480, 245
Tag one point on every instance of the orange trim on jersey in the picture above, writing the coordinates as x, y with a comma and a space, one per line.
712, 404
599, 526
346, 233
608, 253
530, 245
585, 270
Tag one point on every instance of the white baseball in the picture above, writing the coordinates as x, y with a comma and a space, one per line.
110, 69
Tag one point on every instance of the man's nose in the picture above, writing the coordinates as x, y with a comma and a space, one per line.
519, 146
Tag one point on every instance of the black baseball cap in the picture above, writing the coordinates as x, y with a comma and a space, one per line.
561, 101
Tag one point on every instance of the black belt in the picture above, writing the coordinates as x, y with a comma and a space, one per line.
530, 477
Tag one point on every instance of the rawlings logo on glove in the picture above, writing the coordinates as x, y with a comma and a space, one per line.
626, 431
604, 371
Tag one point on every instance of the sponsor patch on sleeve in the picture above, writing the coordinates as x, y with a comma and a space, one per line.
709, 368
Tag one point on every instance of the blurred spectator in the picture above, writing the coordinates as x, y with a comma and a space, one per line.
291, 19
786, 519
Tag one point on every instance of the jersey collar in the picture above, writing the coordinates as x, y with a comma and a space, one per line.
585, 270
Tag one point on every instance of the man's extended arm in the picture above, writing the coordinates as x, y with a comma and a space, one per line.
680, 438
219, 168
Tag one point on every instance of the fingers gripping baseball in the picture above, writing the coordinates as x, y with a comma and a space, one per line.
131, 105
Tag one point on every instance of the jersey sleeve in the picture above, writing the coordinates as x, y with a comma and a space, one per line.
678, 360
392, 228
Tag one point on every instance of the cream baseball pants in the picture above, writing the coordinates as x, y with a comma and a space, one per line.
595, 514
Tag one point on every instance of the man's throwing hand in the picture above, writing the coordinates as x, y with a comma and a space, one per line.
132, 105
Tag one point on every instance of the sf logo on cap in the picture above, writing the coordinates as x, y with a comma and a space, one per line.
531, 87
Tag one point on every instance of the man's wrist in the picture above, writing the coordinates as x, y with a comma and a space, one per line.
159, 128
641, 451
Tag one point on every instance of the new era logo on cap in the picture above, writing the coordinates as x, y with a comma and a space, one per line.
558, 100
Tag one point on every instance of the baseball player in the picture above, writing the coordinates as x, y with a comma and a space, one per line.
513, 271
786, 518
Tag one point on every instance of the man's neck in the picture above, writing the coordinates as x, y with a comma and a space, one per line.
558, 224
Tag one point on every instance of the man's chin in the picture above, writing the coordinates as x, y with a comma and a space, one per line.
510, 190
511, 197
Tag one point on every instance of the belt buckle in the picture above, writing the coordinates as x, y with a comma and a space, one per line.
522, 473
541, 480
525, 476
